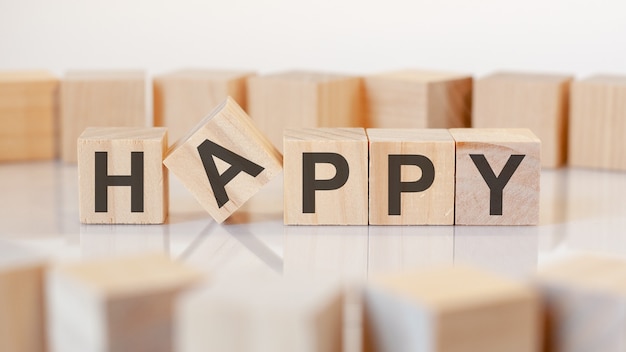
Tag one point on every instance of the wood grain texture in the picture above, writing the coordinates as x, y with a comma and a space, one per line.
99, 99
451, 309
304, 99
116, 304
539, 102
182, 98
597, 136
275, 316
229, 127
433, 206
120, 143
347, 205
28, 115
418, 99
520, 196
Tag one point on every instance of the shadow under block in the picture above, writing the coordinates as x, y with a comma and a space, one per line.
597, 136
497, 176
121, 176
278, 316
224, 160
539, 102
119, 304
419, 99
183, 98
411, 177
325, 180
304, 99
449, 310
27, 115
584, 299
99, 99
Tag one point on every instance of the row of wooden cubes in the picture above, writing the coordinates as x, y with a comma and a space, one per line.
152, 303
593, 112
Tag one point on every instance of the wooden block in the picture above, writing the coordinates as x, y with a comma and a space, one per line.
119, 304
253, 317
224, 160
451, 309
27, 115
411, 177
121, 175
497, 176
584, 299
419, 99
325, 180
183, 98
99, 99
304, 99
597, 134
539, 102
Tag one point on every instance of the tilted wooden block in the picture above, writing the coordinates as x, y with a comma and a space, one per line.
451, 309
121, 175
584, 298
597, 134
419, 99
27, 115
325, 180
304, 99
497, 176
269, 317
539, 102
411, 177
224, 160
99, 99
119, 304
183, 98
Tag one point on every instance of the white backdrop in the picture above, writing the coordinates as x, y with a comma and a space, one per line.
355, 36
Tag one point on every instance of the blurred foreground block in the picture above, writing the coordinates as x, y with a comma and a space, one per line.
449, 310
121, 304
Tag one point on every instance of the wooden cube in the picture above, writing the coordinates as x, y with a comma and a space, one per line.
497, 176
183, 98
273, 316
411, 177
121, 175
325, 180
99, 99
304, 99
224, 160
539, 102
597, 134
584, 298
27, 115
419, 99
118, 304
451, 309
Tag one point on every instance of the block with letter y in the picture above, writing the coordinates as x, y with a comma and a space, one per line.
224, 160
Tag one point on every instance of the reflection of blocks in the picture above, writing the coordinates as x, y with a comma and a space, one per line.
99, 99
304, 99
411, 177
419, 99
27, 115
122, 304
449, 310
183, 98
497, 176
598, 123
535, 101
325, 180
224, 160
122, 179
276, 316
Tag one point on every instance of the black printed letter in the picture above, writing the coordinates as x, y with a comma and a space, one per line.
134, 180
496, 184
310, 184
396, 186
